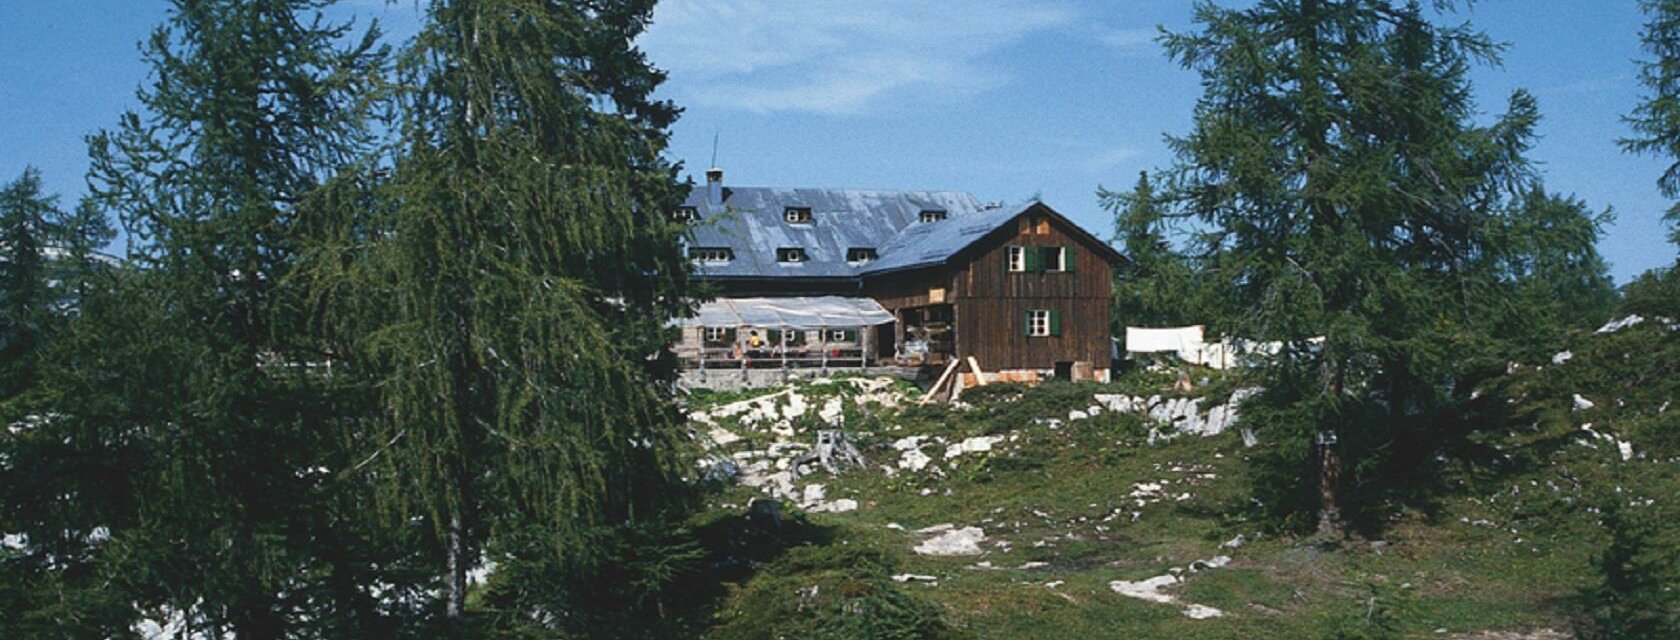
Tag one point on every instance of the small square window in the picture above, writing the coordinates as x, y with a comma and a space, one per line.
1038, 323
1056, 258
861, 254
933, 215
720, 335
711, 254
686, 214
797, 215
791, 254
841, 335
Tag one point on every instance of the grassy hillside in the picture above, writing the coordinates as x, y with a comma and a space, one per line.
1073, 507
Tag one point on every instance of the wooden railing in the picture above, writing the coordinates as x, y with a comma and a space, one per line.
731, 358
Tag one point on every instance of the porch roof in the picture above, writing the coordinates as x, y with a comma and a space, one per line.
808, 312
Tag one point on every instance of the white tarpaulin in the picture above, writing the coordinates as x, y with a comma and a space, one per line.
1187, 343
797, 313
1179, 340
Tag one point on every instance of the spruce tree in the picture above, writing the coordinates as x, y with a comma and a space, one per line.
251, 105
1151, 289
25, 299
82, 234
508, 295
1337, 158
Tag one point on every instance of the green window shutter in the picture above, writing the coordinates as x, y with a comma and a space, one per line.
1067, 259
1026, 324
1032, 258
1055, 322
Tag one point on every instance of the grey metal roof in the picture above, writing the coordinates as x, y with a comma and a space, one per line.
934, 243
750, 224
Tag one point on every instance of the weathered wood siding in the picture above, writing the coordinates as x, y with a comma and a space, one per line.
911, 288
992, 303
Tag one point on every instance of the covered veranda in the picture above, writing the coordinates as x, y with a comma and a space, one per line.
810, 332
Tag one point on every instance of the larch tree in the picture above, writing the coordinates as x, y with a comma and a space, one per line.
250, 106
1656, 119
1337, 159
508, 295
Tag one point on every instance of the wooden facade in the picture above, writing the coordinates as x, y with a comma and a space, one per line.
990, 303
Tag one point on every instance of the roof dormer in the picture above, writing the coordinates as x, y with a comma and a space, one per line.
797, 215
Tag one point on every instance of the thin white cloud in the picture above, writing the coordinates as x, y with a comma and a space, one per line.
836, 57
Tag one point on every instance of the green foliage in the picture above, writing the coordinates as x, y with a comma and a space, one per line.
1656, 120
1351, 192
829, 593
1157, 286
504, 292
1638, 593
1553, 277
1378, 617
216, 440
25, 213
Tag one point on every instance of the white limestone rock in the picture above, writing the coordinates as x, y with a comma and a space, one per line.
977, 444
955, 542
1582, 404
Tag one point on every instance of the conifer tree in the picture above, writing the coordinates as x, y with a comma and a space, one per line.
1554, 277
1656, 120
509, 296
83, 233
25, 215
1337, 158
1143, 291
1635, 596
252, 104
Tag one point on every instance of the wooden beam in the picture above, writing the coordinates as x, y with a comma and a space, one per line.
979, 376
933, 390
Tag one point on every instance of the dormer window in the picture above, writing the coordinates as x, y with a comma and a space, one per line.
933, 215
791, 255
797, 215
686, 214
860, 255
713, 255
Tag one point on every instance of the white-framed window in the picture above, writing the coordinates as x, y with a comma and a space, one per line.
686, 214
719, 334
1040, 323
711, 254
841, 335
933, 215
791, 254
797, 215
859, 255
1017, 259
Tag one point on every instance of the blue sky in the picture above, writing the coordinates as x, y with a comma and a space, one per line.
1007, 99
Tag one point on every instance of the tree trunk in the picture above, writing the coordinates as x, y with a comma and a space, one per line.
1329, 490
455, 582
